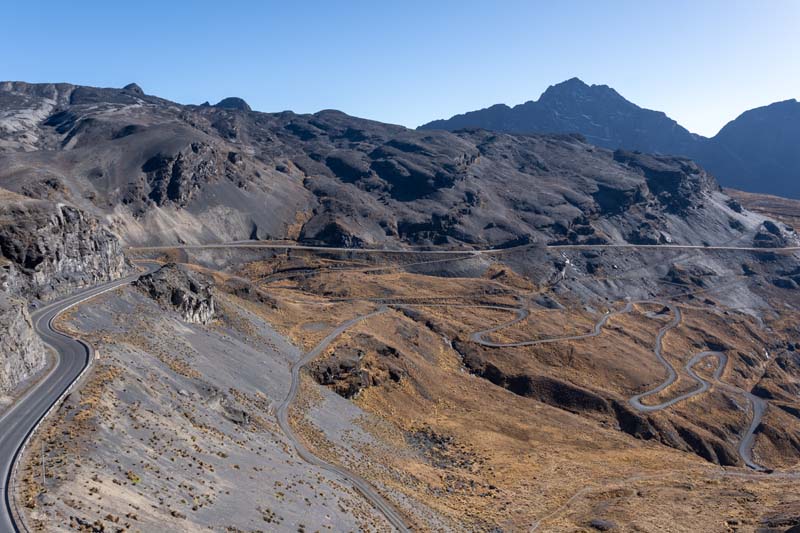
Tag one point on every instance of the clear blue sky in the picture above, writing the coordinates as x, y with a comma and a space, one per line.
408, 62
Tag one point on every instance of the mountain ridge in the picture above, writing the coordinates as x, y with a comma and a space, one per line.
159, 172
607, 119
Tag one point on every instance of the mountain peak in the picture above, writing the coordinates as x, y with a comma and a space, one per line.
598, 112
573, 82
575, 88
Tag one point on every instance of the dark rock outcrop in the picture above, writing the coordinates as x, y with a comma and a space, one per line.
182, 290
769, 236
674, 182
50, 249
348, 370
175, 178
233, 102
600, 524
133, 88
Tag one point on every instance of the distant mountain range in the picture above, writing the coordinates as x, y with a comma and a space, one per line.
758, 151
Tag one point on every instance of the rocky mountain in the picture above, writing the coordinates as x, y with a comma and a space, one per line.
48, 248
638, 369
597, 112
758, 151
21, 351
755, 152
158, 172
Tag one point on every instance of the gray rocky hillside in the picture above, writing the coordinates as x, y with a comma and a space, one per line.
159, 172
49, 248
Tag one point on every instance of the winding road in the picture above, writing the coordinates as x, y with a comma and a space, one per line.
20, 421
74, 357
757, 405
359, 483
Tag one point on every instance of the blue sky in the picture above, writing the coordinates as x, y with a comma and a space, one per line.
702, 62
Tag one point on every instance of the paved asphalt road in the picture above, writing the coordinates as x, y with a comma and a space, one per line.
21, 419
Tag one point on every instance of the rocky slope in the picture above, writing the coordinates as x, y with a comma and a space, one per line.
754, 152
177, 288
160, 172
21, 352
50, 248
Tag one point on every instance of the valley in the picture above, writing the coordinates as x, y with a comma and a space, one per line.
415, 380
290, 322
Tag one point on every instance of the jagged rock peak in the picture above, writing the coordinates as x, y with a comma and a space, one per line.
577, 88
233, 102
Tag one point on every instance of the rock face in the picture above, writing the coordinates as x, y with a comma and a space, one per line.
21, 352
350, 369
755, 152
180, 289
174, 178
49, 249
134, 88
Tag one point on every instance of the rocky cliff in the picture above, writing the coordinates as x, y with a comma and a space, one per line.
180, 289
21, 352
48, 249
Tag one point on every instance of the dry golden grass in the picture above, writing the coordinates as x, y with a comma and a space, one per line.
485, 458
507, 460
